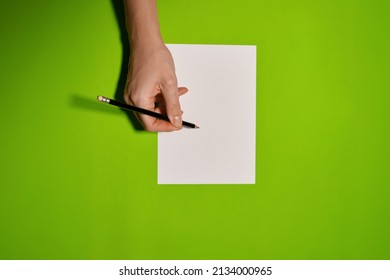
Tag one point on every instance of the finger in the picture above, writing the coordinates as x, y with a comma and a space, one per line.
156, 125
171, 96
137, 98
162, 110
182, 90
153, 124
159, 102
127, 99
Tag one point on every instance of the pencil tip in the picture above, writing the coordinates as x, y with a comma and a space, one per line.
100, 98
197, 126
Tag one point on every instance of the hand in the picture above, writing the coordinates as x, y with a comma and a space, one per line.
152, 85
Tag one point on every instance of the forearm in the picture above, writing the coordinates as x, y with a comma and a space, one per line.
142, 23
151, 81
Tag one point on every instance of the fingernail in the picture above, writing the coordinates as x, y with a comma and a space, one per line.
177, 121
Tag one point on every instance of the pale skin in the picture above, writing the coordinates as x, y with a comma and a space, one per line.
151, 80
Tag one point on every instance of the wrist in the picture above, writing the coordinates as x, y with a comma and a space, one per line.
145, 40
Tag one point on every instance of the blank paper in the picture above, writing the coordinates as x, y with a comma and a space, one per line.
222, 102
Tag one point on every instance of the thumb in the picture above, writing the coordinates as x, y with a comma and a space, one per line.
171, 97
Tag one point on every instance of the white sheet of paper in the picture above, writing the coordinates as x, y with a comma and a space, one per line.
222, 101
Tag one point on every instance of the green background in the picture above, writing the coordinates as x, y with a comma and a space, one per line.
78, 181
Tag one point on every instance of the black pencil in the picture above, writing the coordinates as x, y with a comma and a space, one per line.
141, 111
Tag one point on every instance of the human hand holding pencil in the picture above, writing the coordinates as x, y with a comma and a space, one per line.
151, 82
152, 85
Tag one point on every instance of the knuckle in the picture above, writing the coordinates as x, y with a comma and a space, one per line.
126, 95
149, 127
135, 99
170, 82
126, 98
